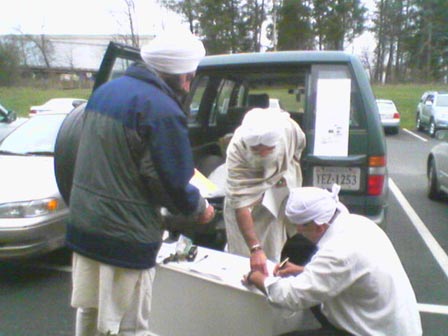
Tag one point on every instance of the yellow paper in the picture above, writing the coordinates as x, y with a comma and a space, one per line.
206, 187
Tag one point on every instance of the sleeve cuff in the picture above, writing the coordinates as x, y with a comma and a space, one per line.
270, 280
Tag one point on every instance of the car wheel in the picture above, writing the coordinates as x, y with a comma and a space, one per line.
432, 128
418, 123
433, 183
394, 130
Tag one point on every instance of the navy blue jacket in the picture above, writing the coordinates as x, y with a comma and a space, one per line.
134, 156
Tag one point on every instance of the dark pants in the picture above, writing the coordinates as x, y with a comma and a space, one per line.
326, 329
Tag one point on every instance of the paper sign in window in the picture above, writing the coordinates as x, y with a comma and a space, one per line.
332, 117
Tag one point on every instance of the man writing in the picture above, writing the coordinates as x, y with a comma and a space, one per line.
134, 157
355, 277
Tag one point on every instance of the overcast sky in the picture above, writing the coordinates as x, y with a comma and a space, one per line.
97, 17
80, 17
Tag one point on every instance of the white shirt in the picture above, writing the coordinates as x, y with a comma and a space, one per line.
359, 279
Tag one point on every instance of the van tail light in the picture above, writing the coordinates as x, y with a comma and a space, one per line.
376, 175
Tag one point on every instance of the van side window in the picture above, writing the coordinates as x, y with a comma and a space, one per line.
197, 93
223, 101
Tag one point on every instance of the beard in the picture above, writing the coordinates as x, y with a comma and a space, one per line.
266, 163
174, 83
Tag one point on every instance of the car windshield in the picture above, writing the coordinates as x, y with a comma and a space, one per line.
442, 100
386, 106
37, 136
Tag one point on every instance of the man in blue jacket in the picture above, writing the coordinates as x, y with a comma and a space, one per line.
134, 157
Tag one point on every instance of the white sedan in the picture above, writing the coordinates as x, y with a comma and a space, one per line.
32, 211
59, 105
390, 117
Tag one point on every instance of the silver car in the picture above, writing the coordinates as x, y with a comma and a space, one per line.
437, 167
32, 212
432, 113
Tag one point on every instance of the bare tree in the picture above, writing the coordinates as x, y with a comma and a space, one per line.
130, 35
40, 43
130, 13
365, 60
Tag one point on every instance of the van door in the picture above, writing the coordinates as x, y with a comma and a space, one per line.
336, 133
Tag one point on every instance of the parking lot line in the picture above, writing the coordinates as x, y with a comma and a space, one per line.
415, 135
437, 251
433, 309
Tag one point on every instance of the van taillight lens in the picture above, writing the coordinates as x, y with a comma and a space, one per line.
376, 175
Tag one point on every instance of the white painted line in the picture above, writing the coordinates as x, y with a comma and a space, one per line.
434, 309
432, 244
415, 135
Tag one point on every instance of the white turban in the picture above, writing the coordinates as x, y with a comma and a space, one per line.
263, 126
174, 52
313, 204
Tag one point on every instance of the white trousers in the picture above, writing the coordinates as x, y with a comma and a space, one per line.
110, 300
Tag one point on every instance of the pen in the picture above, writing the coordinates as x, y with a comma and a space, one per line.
283, 263
204, 257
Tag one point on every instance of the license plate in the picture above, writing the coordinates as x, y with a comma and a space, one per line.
347, 177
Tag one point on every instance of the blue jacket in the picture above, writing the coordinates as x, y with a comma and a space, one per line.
134, 156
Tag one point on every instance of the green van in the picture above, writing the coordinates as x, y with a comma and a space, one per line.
327, 92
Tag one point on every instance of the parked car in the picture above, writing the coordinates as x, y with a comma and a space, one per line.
390, 117
345, 139
62, 105
432, 112
32, 211
8, 121
437, 167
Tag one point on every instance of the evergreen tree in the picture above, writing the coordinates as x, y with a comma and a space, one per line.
294, 26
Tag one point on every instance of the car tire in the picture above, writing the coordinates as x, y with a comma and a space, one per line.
433, 183
432, 128
395, 130
418, 123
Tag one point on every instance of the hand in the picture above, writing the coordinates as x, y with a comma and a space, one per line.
207, 215
258, 262
287, 270
246, 281
255, 278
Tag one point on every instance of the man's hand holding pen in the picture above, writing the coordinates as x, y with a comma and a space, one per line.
286, 268
283, 269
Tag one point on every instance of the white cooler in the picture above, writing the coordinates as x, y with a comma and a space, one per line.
206, 298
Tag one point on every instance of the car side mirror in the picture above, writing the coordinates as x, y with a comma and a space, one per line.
12, 116
428, 103
76, 103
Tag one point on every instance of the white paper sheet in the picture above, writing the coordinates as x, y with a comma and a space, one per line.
332, 117
273, 199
